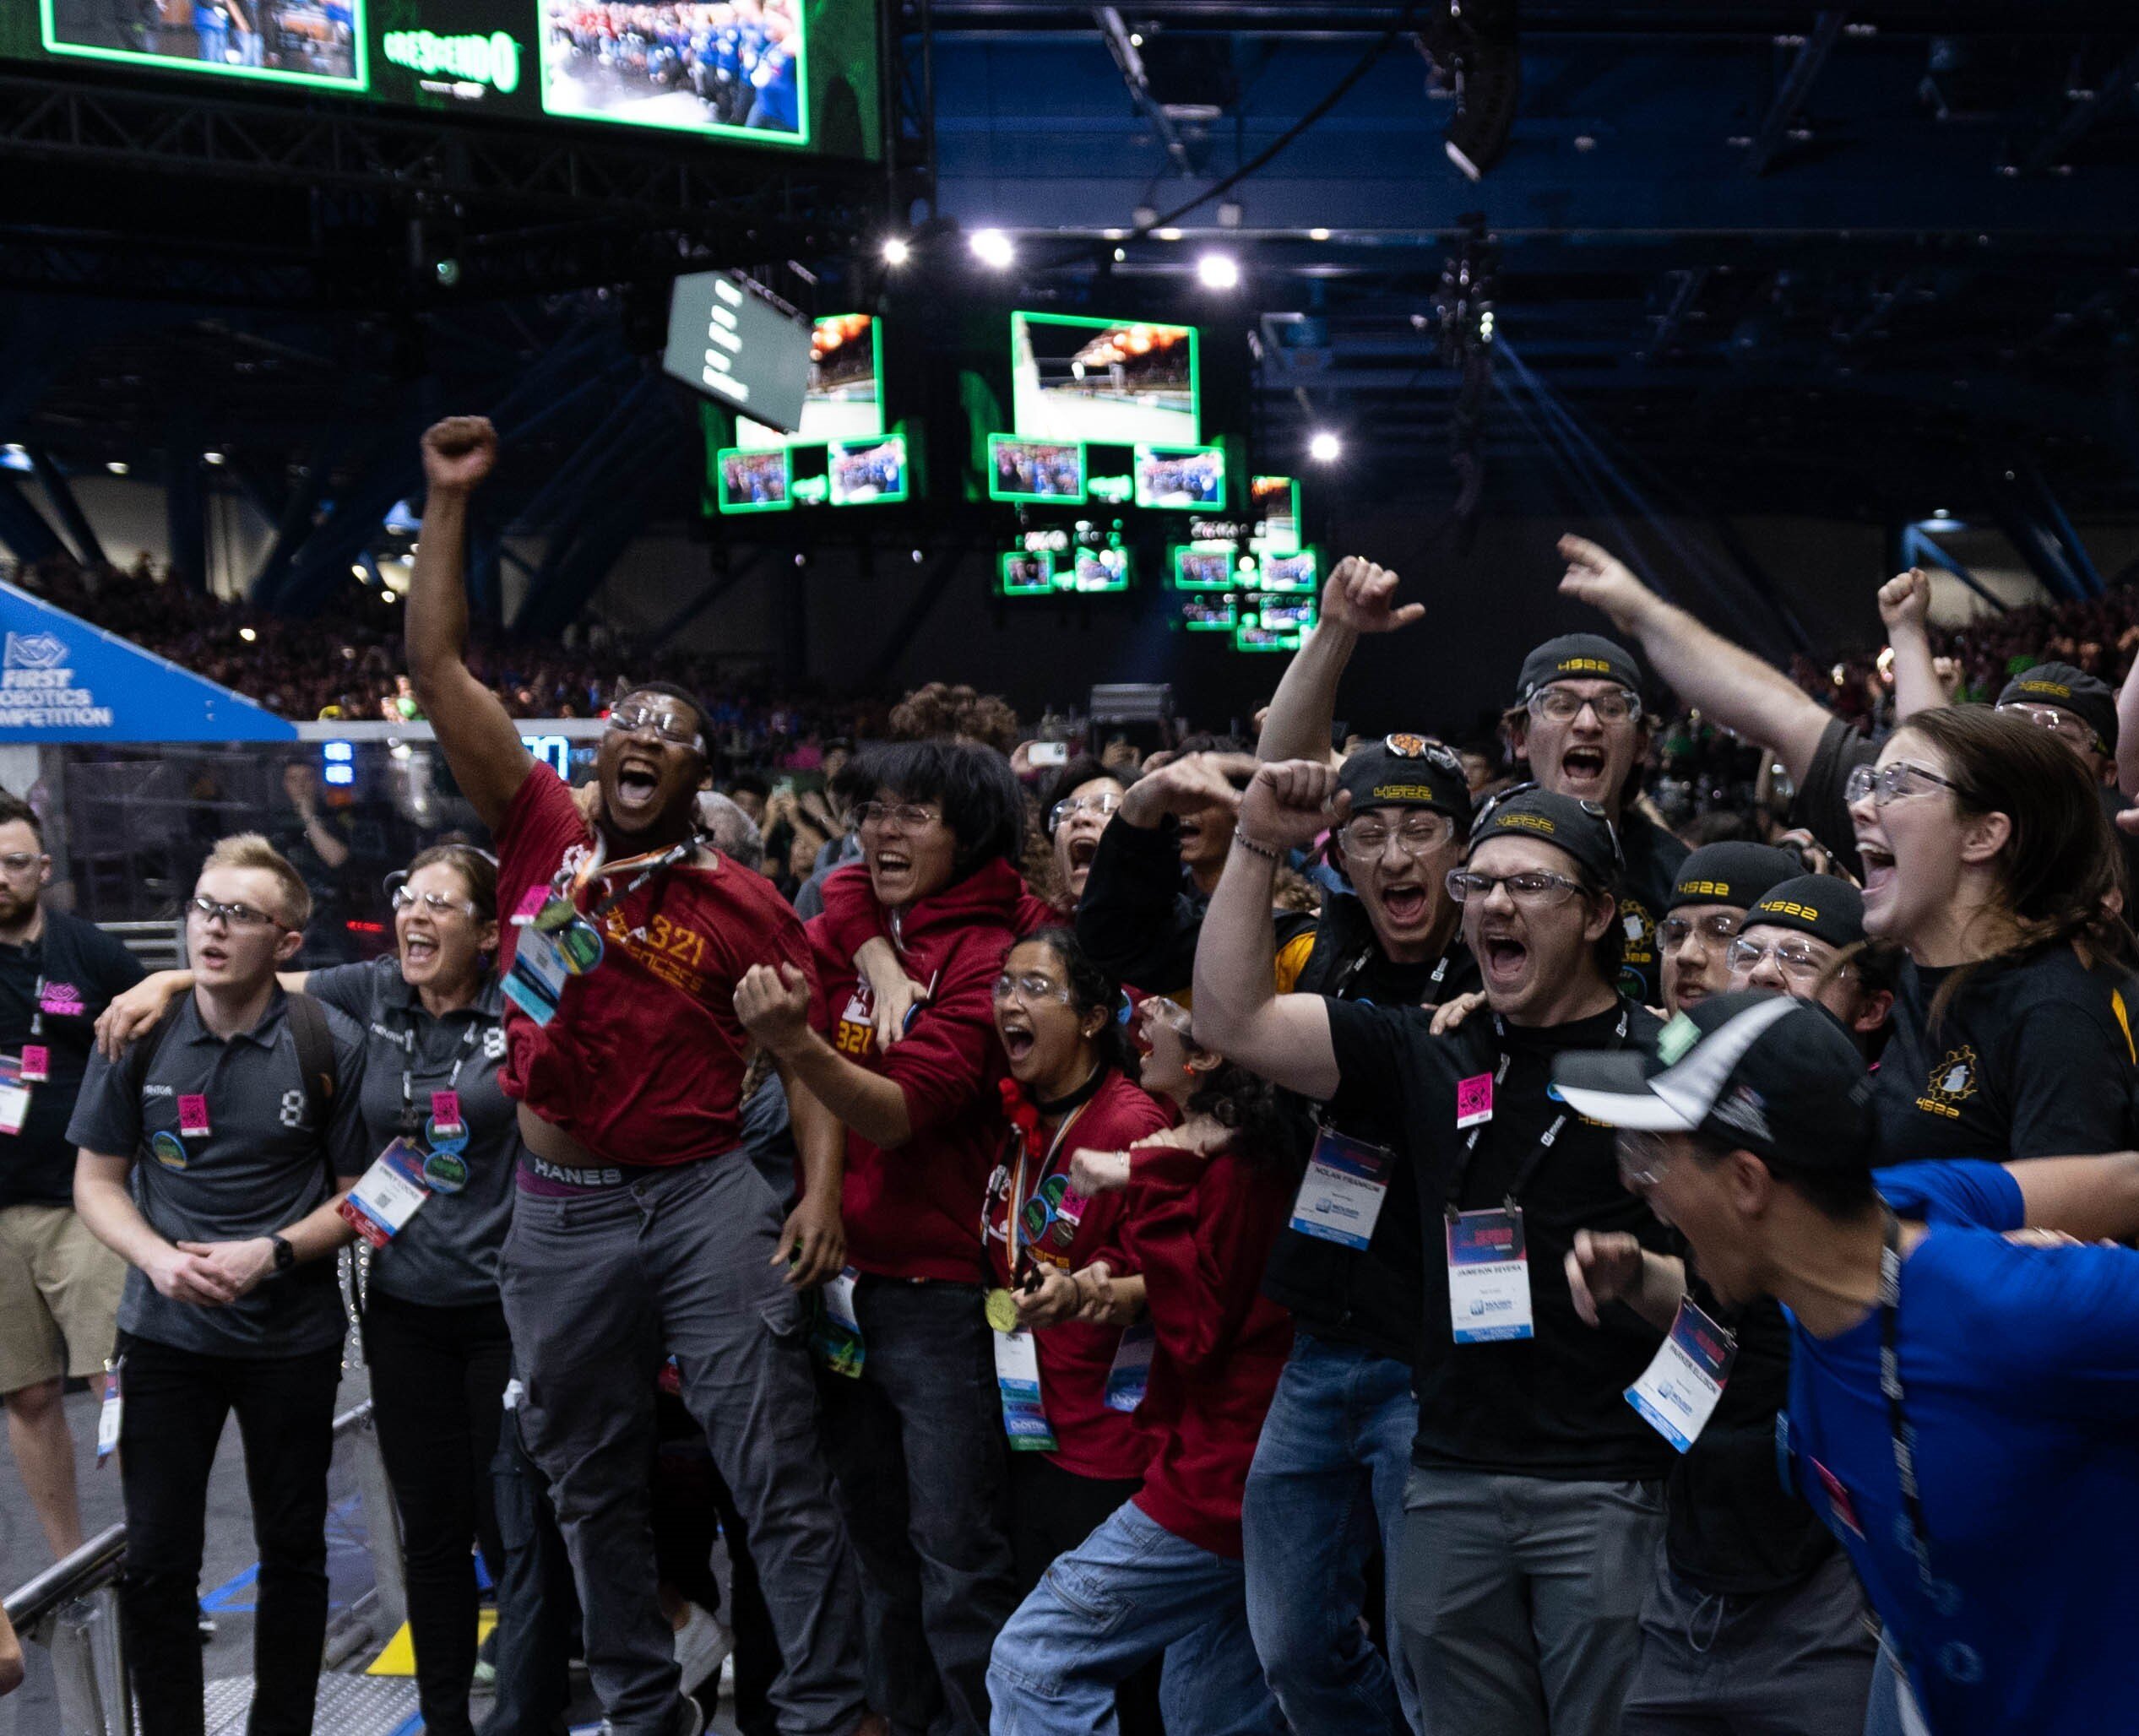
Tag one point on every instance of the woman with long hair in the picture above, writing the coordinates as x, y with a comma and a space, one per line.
1987, 857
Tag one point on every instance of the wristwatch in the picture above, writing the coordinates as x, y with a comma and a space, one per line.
285, 1256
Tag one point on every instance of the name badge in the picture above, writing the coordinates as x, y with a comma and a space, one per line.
1131, 1374
14, 1096
387, 1196
193, 1116
1340, 1196
109, 1415
835, 1334
1024, 1418
536, 981
1475, 1100
445, 1113
36, 1063
1489, 1277
1677, 1393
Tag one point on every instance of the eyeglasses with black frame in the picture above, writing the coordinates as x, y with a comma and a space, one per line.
232, 915
1563, 705
1534, 891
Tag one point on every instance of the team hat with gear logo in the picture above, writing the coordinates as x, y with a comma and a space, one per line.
1577, 657
1773, 1075
2087, 697
1822, 905
1733, 873
1407, 771
1580, 828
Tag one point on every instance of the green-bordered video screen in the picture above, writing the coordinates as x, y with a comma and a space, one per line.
1122, 382
845, 399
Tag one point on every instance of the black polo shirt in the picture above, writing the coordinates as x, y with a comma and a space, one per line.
51, 993
261, 1166
1653, 856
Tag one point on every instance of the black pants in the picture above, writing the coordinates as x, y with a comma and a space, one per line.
438, 1379
176, 1401
1051, 1512
538, 1606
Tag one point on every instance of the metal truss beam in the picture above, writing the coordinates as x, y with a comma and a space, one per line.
1781, 118
2055, 145
1130, 59
58, 489
23, 527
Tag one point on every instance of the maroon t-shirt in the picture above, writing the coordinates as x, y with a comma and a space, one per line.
644, 1062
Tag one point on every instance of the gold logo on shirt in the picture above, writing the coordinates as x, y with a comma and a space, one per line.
1953, 1083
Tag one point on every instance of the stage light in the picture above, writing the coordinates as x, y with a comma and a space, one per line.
1219, 271
118, 467
211, 458
1324, 448
993, 249
1167, 235
247, 634
895, 251
1317, 234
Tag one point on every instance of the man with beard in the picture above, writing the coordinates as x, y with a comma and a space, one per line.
59, 1286
640, 1228
1535, 1497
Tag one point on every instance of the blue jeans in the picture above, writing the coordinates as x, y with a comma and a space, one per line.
1130, 1592
1327, 1481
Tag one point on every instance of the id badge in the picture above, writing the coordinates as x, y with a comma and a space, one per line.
1024, 1418
1489, 1277
110, 1413
536, 981
1677, 1393
445, 1114
835, 1334
36, 1063
1473, 1101
387, 1196
1340, 1197
193, 1115
14, 1096
1131, 1374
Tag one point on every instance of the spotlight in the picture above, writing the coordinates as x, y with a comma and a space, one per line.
1477, 60
895, 251
1219, 271
1167, 235
1317, 234
247, 634
1324, 448
211, 458
118, 467
993, 249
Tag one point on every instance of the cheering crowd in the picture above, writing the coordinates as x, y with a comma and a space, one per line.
1546, 1280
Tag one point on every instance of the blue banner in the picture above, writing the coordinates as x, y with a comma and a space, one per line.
62, 679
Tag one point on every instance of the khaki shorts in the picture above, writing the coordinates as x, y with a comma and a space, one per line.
59, 1296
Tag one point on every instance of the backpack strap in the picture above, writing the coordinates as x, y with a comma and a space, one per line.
315, 1056
141, 1053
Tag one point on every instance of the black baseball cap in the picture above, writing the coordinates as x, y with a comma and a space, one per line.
1732, 873
1407, 771
2087, 697
1580, 828
1822, 905
1775, 1076
1577, 657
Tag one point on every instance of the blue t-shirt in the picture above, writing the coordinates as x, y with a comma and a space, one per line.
2021, 1367
1961, 1191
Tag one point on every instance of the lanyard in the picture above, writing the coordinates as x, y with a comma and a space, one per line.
1460, 1175
1890, 1386
1016, 1204
1344, 980
648, 864
409, 1119
37, 1007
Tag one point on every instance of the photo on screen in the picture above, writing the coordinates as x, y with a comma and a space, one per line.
1027, 574
865, 472
1210, 569
1102, 570
735, 70
754, 481
1034, 470
1273, 514
845, 399
1180, 479
289, 41
1289, 572
1210, 614
1274, 623
1122, 382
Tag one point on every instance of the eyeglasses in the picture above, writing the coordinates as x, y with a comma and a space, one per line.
1419, 836
1893, 781
1563, 705
1031, 987
232, 916
1795, 959
671, 726
1643, 1158
21, 862
2074, 729
1534, 891
1105, 805
911, 816
434, 903
1170, 1013
1673, 930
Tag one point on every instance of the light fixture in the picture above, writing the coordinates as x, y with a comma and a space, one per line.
992, 248
1120, 255
247, 634
1317, 234
211, 458
1219, 271
1324, 448
356, 569
118, 467
895, 251
1167, 235
1941, 513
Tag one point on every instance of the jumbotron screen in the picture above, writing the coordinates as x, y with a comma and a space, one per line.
797, 73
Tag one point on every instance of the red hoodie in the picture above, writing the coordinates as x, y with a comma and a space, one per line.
916, 1211
851, 916
1075, 1356
1200, 1230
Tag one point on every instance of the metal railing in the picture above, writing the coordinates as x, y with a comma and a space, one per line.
72, 1608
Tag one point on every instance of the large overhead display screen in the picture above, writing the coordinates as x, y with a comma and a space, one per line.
797, 73
1121, 383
